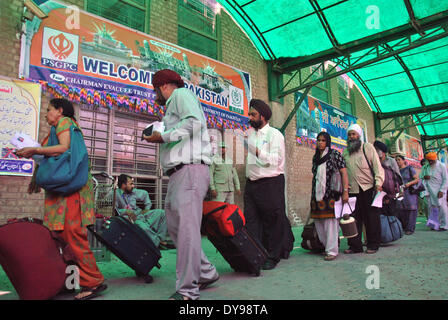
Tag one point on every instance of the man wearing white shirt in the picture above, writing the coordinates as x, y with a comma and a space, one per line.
264, 197
435, 180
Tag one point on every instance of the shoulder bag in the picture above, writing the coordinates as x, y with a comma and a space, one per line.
68, 172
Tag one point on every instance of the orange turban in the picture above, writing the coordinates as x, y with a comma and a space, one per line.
431, 156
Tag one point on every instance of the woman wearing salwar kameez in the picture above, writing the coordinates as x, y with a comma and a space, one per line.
326, 162
69, 215
409, 204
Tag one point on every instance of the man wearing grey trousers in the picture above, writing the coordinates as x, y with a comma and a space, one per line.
185, 155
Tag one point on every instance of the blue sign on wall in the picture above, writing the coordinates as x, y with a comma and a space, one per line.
15, 166
314, 116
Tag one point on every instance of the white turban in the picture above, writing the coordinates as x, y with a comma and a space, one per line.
356, 127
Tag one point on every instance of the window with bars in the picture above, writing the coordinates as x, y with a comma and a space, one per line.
321, 93
346, 105
131, 13
322, 90
113, 141
198, 27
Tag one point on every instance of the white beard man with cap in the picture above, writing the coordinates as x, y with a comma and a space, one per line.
363, 183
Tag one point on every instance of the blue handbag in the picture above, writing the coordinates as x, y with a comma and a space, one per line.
68, 172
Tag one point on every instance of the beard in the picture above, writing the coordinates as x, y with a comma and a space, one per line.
353, 145
255, 124
160, 100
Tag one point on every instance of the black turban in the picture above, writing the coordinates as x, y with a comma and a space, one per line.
380, 145
166, 76
261, 107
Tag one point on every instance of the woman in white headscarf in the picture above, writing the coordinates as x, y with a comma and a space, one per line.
326, 162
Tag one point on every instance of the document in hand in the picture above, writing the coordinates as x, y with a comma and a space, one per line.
378, 200
341, 208
155, 126
22, 140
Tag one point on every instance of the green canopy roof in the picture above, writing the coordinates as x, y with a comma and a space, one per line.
396, 51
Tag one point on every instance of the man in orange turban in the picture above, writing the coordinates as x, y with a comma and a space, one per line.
431, 156
435, 180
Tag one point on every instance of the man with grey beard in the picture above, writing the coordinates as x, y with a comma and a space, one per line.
366, 176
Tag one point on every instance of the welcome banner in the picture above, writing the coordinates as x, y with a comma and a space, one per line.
413, 150
102, 63
314, 116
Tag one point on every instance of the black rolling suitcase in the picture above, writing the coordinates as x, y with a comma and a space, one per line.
130, 244
241, 251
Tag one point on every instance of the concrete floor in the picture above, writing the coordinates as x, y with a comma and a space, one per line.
414, 267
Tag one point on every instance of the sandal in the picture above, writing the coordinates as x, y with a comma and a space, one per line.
178, 296
93, 291
204, 285
329, 257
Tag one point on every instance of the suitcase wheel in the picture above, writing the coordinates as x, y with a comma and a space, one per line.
147, 278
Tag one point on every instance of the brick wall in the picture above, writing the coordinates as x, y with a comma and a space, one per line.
13, 198
163, 20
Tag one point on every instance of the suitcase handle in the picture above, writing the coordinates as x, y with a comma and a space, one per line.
215, 210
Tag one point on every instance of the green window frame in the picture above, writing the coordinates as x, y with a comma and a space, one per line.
130, 13
199, 28
346, 96
320, 91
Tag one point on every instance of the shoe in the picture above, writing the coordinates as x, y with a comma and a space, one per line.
269, 265
371, 251
442, 229
329, 257
166, 245
205, 285
93, 292
350, 251
408, 233
178, 296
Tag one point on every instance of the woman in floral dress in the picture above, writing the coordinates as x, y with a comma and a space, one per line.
71, 214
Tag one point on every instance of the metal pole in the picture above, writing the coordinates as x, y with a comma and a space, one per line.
296, 106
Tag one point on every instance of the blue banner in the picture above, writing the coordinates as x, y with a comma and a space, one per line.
314, 116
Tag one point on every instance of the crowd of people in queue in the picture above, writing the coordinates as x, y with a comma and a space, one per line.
361, 167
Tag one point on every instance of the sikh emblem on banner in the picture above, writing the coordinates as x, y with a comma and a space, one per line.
59, 49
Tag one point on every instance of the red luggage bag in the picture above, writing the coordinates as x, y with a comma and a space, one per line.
228, 217
32, 257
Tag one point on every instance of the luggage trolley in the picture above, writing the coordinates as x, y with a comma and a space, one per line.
104, 207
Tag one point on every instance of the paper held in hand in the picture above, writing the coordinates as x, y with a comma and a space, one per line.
21, 140
378, 200
155, 126
344, 208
